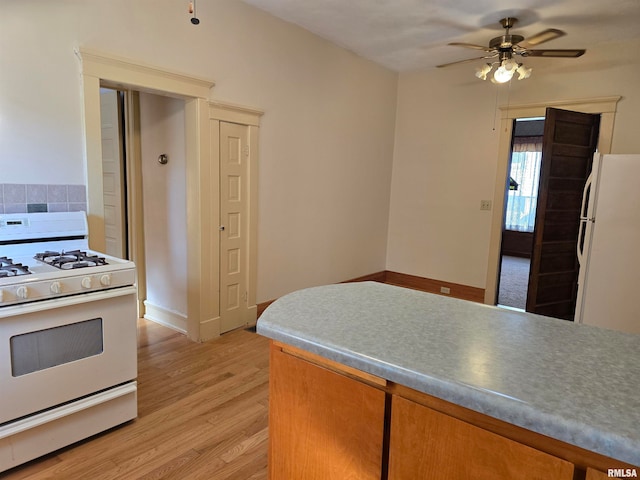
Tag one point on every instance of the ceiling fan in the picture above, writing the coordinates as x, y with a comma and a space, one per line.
505, 47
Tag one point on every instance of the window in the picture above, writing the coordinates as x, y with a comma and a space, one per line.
524, 179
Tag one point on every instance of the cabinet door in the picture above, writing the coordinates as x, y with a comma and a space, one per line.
426, 444
596, 475
322, 425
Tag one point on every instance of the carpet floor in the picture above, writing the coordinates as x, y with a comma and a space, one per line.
514, 280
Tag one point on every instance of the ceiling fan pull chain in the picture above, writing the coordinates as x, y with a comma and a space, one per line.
495, 109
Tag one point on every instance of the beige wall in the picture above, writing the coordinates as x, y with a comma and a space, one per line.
327, 136
326, 139
446, 153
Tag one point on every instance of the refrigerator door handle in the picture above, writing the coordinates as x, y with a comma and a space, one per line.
582, 228
583, 218
585, 194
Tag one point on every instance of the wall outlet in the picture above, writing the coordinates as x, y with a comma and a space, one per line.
446, 290
485, 204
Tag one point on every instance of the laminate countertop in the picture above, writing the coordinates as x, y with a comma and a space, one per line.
575, 383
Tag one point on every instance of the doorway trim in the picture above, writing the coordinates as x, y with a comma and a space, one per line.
606, 106
101, 69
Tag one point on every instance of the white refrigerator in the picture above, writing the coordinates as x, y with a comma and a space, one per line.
609, 245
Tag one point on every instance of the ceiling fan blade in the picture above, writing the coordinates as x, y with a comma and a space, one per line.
464, 61
471, 45
567, 53
544, 36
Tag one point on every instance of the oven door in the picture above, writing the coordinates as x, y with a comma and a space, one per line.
55, 351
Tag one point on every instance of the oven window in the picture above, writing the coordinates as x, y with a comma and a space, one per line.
34, 351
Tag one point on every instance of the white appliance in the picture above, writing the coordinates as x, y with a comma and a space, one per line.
609, 245
68, 337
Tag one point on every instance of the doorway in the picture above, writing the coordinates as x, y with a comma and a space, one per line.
551, 160
203, 320
606, 107
161, 222
521, 193
558, 164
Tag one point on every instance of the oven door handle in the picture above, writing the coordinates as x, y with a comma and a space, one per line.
41, 305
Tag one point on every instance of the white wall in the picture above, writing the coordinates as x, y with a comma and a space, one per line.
326, 139
162, 123
446, 152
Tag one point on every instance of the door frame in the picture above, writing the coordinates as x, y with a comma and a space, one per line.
203, 213
605, 106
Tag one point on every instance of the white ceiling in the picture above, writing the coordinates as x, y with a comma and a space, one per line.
410, 35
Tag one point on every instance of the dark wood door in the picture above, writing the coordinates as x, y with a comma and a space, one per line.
570, 139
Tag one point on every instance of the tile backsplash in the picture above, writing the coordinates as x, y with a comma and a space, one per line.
23, 198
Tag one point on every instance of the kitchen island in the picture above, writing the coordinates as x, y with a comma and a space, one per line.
375, 381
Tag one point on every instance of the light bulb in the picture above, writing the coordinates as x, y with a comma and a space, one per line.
502, 74
510, 64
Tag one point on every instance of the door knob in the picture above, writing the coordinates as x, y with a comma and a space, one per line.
222, 228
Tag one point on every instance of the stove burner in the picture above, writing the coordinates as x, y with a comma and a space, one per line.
10, 269
70, 260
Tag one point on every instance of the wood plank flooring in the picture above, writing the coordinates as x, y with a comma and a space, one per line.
202, 414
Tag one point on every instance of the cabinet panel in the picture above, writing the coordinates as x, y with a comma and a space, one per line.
426, 444
596, 475
322, 425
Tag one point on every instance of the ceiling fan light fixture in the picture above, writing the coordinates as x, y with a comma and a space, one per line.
482, 72
523, 72
506, 47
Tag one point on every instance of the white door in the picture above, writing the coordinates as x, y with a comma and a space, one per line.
234, 157
112, 173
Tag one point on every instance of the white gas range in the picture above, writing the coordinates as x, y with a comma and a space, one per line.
68, 346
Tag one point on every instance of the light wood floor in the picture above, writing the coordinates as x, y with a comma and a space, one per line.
202, 414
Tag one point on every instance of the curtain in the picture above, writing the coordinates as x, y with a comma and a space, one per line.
525, 172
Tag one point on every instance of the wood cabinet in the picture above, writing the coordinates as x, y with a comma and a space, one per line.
426, 444
596, 475
322, 425
328, 421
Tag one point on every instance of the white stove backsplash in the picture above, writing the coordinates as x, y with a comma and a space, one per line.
31, 198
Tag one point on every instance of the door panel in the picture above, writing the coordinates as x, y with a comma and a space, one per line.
322, 424
569, 167
570, 138
428, 445
112, 172
233, 229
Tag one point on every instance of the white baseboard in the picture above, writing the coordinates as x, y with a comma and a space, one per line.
252, 315
209, 329
163, 316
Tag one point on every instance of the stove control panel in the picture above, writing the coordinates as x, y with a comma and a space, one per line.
38, 289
